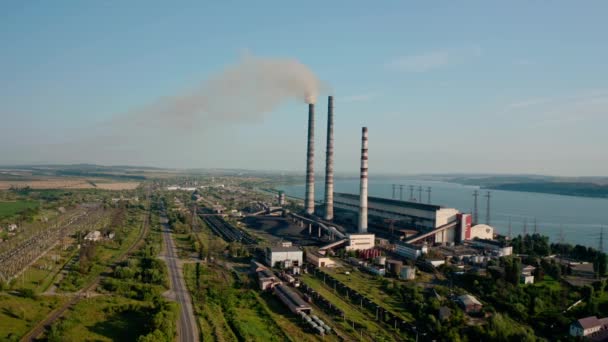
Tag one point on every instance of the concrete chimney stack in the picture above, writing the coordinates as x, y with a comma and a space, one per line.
309, 201
363, 190
329, 162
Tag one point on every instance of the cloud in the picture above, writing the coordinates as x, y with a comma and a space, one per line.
433, 60
359, 98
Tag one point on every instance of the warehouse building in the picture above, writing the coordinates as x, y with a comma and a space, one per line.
403, 214
319, 260
284, 256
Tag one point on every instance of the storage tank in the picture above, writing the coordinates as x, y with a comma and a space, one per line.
408, 273
394, 266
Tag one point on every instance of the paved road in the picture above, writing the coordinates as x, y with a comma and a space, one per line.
187, 329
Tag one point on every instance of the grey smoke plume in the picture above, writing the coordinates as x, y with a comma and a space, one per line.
241, 92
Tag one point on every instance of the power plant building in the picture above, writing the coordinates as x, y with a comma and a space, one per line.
284, 256
410, 215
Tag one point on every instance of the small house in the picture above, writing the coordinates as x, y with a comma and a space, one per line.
469, 303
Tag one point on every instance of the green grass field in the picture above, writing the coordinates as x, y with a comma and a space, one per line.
9, 209
18, 314
550, 283
371, 286
104, 318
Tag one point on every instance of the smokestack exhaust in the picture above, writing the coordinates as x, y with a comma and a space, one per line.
329, 162
363, 190
309, 200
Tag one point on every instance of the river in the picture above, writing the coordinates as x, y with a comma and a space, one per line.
577, 220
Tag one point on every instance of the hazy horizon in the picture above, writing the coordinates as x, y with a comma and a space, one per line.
460, 89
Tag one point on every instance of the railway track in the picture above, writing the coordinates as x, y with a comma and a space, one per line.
33, 334
227, 231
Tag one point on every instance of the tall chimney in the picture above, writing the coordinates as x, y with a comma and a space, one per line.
363, 191
309, 200
329, 162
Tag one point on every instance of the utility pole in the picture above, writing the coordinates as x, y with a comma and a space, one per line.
428, 192
394, 188
420, 194
488, 208
475, 216
401, 192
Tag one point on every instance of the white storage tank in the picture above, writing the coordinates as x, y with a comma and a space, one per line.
408, 273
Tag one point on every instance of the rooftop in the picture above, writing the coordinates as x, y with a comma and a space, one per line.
387, 201
589, 322
467, 299
285, 249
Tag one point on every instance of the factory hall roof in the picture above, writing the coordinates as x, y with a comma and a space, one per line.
277, 249
387, 201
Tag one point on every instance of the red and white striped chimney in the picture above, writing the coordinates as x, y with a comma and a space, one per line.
309, 200
363, 190
329, 162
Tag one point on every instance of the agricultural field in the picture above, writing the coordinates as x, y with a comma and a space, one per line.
11, 208
67, 183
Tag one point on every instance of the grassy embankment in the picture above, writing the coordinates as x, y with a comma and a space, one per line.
18, 314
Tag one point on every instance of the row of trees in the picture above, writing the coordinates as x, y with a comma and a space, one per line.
537, 245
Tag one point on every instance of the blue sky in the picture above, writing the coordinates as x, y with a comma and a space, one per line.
513, 87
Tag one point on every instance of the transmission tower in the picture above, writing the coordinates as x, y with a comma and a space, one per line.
394, 188
561, 235
525, 226
420, 194
510, 228
475, 215
487, 196
401, 192
535, 226
428, 193
412, 193
601, 242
